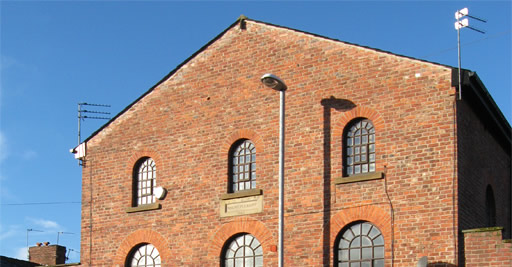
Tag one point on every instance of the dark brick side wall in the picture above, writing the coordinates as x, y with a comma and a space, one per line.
482, 161
187, 125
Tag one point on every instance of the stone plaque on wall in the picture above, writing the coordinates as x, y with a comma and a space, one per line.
241, 206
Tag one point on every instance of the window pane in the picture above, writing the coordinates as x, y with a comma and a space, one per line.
378, 263
258, 261
374, 232
230, 253
378, 241
378, 252
372, 167
248, 252
258, 251
357, 169
365, 241
364, 168
343, 255
356, 242
367, 253
355, 254
344, 243
348, 235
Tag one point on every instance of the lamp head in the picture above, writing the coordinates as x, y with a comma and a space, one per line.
274, 82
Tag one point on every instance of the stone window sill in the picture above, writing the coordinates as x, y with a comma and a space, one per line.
359, 178
243, 193
146, 207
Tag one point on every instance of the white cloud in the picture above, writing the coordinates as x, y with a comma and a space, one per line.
11, 231
21, 253
45, 224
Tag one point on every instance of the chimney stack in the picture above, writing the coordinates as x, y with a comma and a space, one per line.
46, 254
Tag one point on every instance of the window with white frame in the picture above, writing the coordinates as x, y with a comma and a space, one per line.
144, 182
360, 244
242, 166
144, 255
359, 147
243, 250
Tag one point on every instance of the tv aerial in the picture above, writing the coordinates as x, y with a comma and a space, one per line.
83, 114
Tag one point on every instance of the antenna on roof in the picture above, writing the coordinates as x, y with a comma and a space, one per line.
69, 250
79, 151
58, 234
462, 21
82, 115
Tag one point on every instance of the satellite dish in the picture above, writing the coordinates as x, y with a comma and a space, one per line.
159, 192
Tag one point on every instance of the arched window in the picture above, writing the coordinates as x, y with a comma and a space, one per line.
490, 206
359, 147
243, 250
242, 166
144, 182
144, 255
360, 244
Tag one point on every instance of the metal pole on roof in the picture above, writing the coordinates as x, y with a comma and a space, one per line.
463, 22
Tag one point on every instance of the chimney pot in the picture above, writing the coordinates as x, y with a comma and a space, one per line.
46, 243
38, 244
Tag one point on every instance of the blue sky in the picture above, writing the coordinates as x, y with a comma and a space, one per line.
56, 54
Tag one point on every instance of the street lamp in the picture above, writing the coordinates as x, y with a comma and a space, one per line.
277, 84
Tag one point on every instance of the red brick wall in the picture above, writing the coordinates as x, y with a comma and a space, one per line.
188, 122
485, 247
47, 255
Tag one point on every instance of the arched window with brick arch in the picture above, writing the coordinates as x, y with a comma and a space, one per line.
144, 255
359, 147
242, 250
242, 166
359, 244
144, 182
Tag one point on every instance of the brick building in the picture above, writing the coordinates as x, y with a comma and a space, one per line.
384, 165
